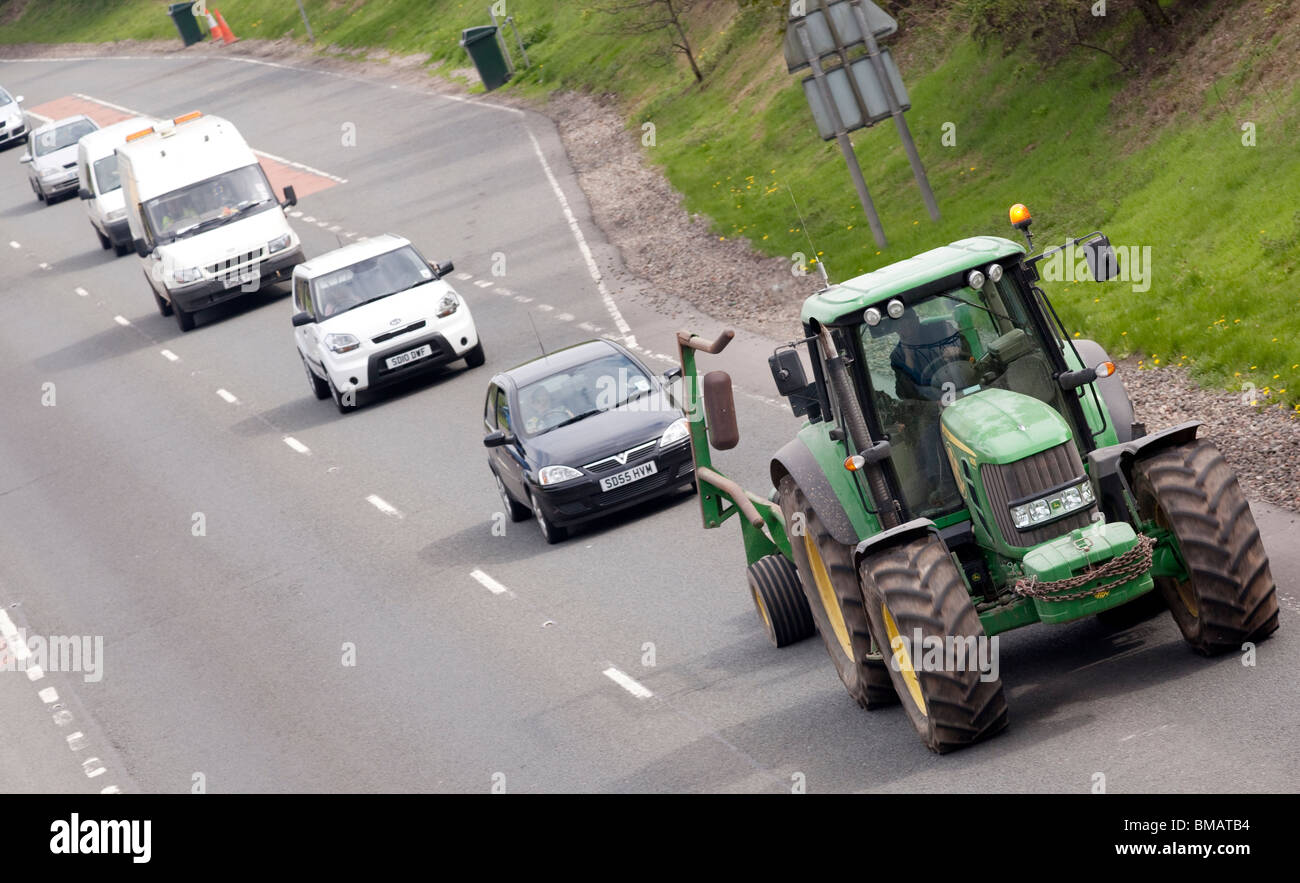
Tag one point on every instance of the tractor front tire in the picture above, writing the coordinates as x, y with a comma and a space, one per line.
916, 587
781, 605
830, 583
1229, 597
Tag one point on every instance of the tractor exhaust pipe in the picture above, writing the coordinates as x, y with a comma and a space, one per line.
856, 423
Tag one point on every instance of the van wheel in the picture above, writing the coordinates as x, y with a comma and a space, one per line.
184, 319
164, 308
104, 242
121, 250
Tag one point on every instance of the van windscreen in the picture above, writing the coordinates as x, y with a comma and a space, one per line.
209, 203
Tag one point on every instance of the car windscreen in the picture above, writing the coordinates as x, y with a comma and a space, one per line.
369, 279
209, 203
4, 98
63, 136
106, 177
581, 391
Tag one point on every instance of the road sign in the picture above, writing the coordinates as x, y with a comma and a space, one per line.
869, 86
843, 22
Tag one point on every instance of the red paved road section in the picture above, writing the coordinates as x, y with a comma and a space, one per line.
282, 173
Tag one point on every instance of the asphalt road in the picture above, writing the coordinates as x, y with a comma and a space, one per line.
224, 653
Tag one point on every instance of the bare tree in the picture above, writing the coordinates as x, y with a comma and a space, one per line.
638, 17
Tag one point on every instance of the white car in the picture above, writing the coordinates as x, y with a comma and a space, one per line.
52, 156
374, 313
13, 122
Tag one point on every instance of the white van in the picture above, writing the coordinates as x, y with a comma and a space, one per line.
202, 215
100, 186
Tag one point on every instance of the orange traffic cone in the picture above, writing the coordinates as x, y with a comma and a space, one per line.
214, 29
226, 33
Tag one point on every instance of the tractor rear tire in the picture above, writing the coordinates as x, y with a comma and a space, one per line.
1230, 597
916, 586
779, 599
830, 583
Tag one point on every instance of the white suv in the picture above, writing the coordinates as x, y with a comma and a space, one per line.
376, 312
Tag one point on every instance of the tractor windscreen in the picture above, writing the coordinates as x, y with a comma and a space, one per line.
941, 348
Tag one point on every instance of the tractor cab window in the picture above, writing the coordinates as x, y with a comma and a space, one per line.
943, 347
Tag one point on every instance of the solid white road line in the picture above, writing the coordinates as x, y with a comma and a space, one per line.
383, 506
627, 683
122, 320
614, 313
296, 445
489, 583
228, 397
170, 356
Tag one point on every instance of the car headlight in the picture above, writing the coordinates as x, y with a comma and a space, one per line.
342, 343
1053, 506
679, 429
557, 474
116, 214
448, 305
186, 274
280, 243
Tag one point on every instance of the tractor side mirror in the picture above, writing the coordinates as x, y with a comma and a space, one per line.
787, 371
1100, 256
720, 411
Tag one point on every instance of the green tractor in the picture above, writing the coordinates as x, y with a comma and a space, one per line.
965, 468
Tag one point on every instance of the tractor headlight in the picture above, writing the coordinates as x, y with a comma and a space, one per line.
676, 432
994, 272
871, 316
1053, 506
975, 280
557, 474
895, 308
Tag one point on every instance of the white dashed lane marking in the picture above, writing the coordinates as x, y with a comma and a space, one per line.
489, 583
228, 397
383, 506
122, 320
627, 683
170, 356
296, 445
13, 244
81, 291
464, 276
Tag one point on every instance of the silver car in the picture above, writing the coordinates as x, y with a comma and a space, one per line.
52, 156
13, 123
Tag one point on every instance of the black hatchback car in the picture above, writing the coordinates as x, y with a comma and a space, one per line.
581, 432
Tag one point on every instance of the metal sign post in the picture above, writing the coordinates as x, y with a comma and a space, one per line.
842, 137
904, 134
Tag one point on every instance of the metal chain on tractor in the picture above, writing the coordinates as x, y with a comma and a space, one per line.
1131, 564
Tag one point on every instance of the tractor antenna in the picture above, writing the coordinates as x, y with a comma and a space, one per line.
535, 334
804, 226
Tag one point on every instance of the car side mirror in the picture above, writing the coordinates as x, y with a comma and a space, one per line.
444, 268
497, 438
1100, 256
672, 374
26, 157
141, 248
84, 193
18, 99
301, 319
290, 197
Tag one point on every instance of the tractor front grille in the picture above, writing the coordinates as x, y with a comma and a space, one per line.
1035, 474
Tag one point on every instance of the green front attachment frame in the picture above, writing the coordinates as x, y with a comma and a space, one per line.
720, 497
